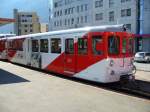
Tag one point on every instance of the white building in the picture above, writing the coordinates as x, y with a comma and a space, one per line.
71, 14
67, 14
116, 12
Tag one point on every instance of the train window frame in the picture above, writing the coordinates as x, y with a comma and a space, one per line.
44, 45
19, 45
56, 49
69, 50
35, 48
94, 50
131, 45
83, 48
124, 45
116, 50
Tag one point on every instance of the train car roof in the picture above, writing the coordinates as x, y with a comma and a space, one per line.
111, 28
7, 35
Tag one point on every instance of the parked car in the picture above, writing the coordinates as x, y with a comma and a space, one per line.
142, 57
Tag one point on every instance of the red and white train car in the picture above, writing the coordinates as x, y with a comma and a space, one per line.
101, 54
3, 48
3, 45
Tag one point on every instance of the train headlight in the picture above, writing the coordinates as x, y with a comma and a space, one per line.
111, 63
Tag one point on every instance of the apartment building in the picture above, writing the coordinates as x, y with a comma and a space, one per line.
26, 23
79, 13
116, 12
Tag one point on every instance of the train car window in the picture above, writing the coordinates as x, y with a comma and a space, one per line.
124, 45
44, 45
10, 45
35, 46
82, 46
96, 42
55, 45
69, 46
131, 46
19, 45
113, 45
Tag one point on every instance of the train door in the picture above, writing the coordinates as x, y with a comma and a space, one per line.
70, 56
97, 44
82, 53
35, 53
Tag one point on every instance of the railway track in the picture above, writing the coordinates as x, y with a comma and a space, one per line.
135, 88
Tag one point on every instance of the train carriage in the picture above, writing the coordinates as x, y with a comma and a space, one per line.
3, 45
3, 48
101, 54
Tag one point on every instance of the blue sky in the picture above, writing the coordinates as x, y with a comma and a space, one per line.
7, 6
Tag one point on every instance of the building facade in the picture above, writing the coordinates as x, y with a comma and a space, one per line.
26, 23
66, 14
110, 12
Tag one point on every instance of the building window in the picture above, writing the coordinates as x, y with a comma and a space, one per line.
72, 10
122, 1
26, 31
72, 21
65, 11
44, 45
111, 16
61, 13
55, 45
25, 25
128, 26
55, 4
85, 19
82, 46
78, 20
86, 7
31, 30
57, 13
78, 9
128, 12
65, 22
81, 8
68, 22
81, 19
98, 3
99, 16
60, 22
35, 46
55, 23
111, 3
125, 12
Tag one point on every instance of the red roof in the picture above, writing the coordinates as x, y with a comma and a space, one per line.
4, 21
